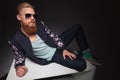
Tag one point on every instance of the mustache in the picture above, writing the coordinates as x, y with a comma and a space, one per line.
32, 21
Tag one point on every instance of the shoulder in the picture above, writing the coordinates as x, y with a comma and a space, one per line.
14, 40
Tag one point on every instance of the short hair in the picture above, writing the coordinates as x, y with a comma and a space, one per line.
23, 5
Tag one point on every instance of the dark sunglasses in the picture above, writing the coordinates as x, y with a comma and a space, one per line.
28, 15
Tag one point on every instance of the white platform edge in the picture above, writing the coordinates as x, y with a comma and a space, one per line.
36, 71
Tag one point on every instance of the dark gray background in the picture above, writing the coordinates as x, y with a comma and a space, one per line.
97, 16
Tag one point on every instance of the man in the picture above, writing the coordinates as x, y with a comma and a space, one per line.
35, 41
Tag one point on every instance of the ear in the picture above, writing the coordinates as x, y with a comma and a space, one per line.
18, 17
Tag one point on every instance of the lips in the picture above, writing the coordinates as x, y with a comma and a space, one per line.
32, 21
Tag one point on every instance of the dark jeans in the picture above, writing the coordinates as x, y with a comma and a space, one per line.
67, 36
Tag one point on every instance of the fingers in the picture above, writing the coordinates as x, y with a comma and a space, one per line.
72, 56
69, 54
21, 71
64, 56
24, 67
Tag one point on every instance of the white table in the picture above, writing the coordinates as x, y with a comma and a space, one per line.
36, 71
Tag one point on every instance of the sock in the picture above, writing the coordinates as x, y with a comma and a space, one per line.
87, 54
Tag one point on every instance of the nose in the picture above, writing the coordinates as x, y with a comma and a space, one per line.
32, 17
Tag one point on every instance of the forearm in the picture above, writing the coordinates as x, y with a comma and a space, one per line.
19, 57
19, 61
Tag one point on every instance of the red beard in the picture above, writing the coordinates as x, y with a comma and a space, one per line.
30, 29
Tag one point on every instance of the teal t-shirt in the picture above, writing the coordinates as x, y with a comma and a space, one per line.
42, 50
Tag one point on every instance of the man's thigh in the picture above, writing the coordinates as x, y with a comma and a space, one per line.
78, 63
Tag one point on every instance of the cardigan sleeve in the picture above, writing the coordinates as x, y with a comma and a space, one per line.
57, 40
18, 55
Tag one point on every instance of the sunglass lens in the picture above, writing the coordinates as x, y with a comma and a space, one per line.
27, 15
35, 16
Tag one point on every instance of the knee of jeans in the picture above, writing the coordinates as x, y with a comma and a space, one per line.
82, 66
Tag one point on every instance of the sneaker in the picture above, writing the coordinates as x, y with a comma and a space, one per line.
87, 56
93, 61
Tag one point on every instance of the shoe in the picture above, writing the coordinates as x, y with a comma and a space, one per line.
87, 56
92, 59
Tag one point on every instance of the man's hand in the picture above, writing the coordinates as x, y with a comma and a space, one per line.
21, 70
69, 54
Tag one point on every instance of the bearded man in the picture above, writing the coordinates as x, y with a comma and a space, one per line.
35, 41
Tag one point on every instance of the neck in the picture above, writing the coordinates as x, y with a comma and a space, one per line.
28, 30
24, 32
31, 37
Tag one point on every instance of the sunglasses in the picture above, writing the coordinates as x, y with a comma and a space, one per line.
28, 15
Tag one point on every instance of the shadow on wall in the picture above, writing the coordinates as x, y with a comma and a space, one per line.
5, 61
